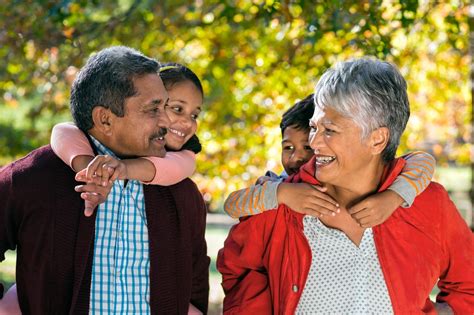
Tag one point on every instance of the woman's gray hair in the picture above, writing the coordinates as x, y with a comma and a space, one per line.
372, 93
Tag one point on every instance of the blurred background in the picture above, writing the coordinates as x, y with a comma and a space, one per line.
255, 59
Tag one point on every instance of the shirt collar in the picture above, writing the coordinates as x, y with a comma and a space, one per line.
102, 149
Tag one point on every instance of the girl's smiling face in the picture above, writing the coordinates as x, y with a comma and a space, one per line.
184, 107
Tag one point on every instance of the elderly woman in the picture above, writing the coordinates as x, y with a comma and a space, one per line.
283, 262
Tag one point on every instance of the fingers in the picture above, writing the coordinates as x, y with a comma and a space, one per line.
106, 174
89, 204
368, 217
93, 166
262, 179
359, 207
319, 192
323, 207
81, 175
368, 222
320, 188
93, 188
96, 166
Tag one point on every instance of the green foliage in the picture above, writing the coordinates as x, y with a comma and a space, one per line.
255, 58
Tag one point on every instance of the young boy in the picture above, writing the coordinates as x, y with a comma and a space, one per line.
270, 190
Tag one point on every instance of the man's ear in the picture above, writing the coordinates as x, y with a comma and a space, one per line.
379, 140
103, 118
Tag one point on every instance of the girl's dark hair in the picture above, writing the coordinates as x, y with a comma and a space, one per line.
172, 73
298, 115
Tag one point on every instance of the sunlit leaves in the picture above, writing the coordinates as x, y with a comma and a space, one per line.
255, 59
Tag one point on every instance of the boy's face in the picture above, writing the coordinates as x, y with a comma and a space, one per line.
295, 149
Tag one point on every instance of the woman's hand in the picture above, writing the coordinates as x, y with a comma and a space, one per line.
307, 199
375, 209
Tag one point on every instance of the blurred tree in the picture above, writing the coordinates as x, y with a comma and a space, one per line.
255, 58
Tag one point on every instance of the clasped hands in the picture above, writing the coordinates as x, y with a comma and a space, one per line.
98, 178
313, 200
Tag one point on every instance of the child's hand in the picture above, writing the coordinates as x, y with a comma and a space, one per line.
307, 199
263, 179
375, 209
93, 192
269, 176
106, 168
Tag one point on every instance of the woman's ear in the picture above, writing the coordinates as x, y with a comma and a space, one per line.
102, 118
379, 140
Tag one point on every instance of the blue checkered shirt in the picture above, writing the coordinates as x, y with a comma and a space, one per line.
121, 264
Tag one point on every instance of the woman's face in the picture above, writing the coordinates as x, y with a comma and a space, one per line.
341, 156
184, 106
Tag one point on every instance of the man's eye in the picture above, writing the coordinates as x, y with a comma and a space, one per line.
288, 148
177, 109
313, 129
194, 117
308, 148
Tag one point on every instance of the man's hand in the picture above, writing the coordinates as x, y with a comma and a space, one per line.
107, 168
307, 199
93, 192
375, 209
99, 176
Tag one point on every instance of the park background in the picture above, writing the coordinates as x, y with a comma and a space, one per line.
255, 59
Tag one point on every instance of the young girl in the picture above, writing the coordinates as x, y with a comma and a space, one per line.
184, 106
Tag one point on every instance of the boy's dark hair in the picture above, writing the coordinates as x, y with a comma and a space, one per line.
107, 80
172, 73
298, 115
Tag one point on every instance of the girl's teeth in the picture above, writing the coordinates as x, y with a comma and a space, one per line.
179, 133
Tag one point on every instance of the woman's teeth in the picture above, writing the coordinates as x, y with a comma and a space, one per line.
325, 159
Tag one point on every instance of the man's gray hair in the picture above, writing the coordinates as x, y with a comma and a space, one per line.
107, 80
372, 93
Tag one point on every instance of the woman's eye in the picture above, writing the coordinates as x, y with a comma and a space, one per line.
313, 129
288, 148
308, 148
328, 131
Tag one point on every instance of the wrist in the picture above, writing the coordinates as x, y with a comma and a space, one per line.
80, 162
282, 192
397, 199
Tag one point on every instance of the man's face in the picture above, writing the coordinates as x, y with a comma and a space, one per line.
295, 149
141, 131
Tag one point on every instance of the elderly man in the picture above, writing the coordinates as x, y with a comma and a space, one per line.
144, 250
283, 262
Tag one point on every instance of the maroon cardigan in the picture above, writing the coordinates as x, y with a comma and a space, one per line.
42, 217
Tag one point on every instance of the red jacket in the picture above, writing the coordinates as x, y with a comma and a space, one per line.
266, 258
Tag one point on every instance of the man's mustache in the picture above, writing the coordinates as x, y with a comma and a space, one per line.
161, 133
